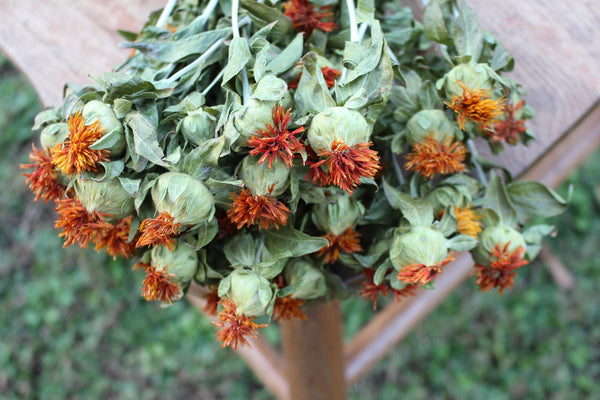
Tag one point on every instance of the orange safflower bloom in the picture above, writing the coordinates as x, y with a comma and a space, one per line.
306, 18
286, 308
115, 239
477, 106
371, 291
160, 230
74, 155
78, 224
407, 291
157, 284
329, 74
348, 242
347, 164
226, 227
315, 173
276, 141
212, 300
43, 181
262, 210
501, 272
468, 223
509, 128
234, 327
432, 157
421, 273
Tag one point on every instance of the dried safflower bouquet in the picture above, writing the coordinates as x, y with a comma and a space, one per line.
273, 152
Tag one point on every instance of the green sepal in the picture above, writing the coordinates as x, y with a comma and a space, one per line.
416, 210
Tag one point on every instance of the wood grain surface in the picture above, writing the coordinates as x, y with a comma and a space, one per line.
556, 45
58, 41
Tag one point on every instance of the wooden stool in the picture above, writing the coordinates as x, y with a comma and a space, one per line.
556, 45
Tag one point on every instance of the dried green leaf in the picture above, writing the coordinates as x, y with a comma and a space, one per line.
131, 186
467, 33
176, 50
497, 199
288, 57
434, 24
312, 95
145, 138
239, 57
289, 242
534, 200
417, 211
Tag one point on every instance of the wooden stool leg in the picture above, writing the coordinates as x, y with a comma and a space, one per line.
561, 275
313, 353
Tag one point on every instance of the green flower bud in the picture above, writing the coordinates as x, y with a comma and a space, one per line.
184, 198
54, 134
106, 197
262, 180
308, 280
197, 127
473, 76
251, 293
338, 216
337, 123
257, 113
182, 263
493, 236
420, 245
113, 137
427, 122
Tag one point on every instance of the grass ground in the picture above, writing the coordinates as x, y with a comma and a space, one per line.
73, 325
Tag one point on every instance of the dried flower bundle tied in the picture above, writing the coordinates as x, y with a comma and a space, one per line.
264, 152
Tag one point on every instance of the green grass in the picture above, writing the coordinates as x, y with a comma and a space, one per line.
73, 325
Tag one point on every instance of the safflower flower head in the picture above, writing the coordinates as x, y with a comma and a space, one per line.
43, 181
235, 327
75, 155
498, 255
78, 224
468, 221
276, 141
306, 18
339, 136
419, 255
287, 308
257, 203
509, 127
431, 157
115, 240
476, 106
180, 201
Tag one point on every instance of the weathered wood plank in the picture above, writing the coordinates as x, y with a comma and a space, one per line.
58, 41
556, 45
